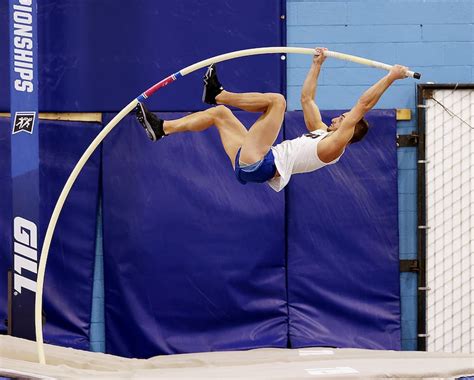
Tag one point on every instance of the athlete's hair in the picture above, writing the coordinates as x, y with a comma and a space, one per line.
360, 130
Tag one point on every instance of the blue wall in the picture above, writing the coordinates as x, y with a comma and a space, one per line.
432, 37
88, 39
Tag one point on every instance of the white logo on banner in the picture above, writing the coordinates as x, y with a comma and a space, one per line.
331, 371
315, 352
23, 45
25, 254
24, 122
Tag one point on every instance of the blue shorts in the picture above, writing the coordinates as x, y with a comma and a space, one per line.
259, 172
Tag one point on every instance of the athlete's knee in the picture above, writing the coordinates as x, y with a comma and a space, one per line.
277, 100
220, 111
306, 99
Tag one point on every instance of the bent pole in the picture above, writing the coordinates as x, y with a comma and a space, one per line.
266, 50
108, 128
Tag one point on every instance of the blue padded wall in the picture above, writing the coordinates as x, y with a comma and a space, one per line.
98, 55
343, 271
193, 260
68, 283
196, 262
71, 261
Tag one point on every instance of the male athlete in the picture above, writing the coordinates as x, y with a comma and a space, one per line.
251, 152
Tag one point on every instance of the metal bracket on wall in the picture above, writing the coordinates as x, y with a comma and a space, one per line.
404, 114
409, 266
404, 141
427, 93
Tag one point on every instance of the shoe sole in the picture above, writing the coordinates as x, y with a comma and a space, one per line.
209, 72
204, 93
141, 116
206, 78
207, 75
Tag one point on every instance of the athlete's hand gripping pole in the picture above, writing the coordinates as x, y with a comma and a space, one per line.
367, 62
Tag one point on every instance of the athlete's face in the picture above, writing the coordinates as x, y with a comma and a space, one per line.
336, 122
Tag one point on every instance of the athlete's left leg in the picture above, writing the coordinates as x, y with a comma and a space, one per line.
231, 130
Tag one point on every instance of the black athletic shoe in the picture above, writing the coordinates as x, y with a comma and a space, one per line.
212, 86
152, 124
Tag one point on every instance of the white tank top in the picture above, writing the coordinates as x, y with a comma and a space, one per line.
299, 155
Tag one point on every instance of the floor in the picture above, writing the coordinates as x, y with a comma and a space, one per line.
18, 355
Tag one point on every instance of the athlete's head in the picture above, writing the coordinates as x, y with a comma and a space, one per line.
360, 129
336, 122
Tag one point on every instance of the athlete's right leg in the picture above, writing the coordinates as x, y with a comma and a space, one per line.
264, 132
214, 93
247, 101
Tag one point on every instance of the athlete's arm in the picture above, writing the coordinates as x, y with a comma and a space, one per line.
332, 146
312, 116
